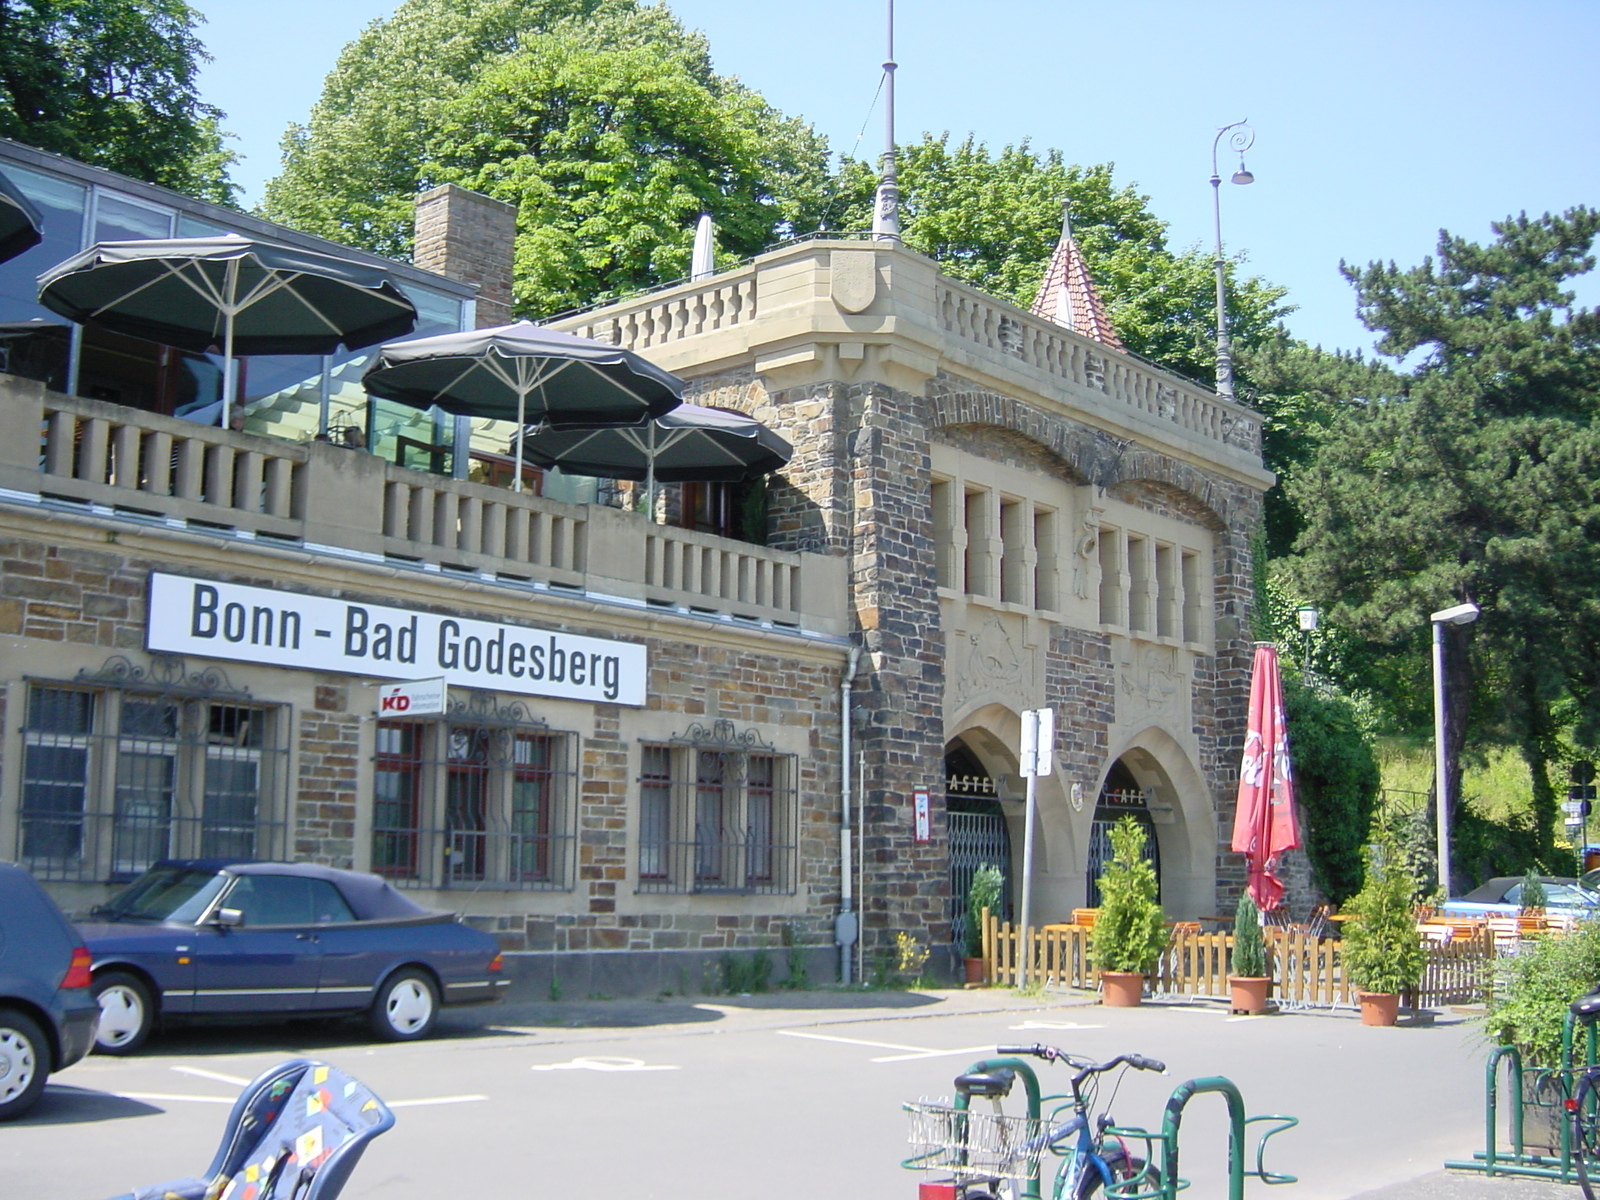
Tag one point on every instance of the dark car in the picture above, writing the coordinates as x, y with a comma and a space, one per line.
47, 1016
200, 938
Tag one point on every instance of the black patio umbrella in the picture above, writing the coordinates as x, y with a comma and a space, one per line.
524, 373
20, 222
239, 295
690, 443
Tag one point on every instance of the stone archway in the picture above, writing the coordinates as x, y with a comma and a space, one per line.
1180, 812
978, 831
1120, 797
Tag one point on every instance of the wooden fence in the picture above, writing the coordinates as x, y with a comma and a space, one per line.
1307, 971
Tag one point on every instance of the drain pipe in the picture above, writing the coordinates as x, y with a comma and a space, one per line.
846, 927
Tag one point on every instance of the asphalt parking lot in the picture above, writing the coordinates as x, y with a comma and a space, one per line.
787, 1096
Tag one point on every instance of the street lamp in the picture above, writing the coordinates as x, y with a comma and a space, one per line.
1240, 139
1461, 614
1309, 617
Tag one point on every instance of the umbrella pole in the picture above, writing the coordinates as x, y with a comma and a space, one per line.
650, 473
229, 383
522, 432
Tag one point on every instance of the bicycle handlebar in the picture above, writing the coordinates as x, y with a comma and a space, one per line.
1050, 1054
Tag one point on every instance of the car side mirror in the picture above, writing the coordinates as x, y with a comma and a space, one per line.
228, 918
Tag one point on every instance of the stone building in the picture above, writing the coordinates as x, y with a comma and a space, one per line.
987, 511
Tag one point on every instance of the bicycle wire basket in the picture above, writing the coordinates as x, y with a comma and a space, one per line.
968, 1142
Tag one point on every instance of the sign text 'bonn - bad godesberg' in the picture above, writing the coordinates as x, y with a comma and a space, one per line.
288, 629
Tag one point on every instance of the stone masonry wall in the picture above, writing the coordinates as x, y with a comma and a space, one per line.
97, 598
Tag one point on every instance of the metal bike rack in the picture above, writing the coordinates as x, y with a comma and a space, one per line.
1559, 1166
1171, 1122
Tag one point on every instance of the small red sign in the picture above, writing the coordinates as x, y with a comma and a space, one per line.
922, 807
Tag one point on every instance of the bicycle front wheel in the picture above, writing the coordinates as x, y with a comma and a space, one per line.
1586, 1133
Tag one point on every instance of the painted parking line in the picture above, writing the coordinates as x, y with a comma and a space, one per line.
170, 1097
603, 1064
910, 1052
202, 1073
435, 1100
1054, 1025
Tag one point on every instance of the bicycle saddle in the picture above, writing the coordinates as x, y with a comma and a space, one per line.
986, 1083
1587, 1006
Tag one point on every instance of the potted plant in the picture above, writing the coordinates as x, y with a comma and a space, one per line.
1532, 898
983, 895
1383, 953
1128, 935
1249, 983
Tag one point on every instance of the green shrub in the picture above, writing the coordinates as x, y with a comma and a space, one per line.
1534, 987
1382, 949
1128, 934
798, 977
1336, 781
984, 892
1249, 951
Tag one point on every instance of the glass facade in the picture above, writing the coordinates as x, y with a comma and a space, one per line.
296, 397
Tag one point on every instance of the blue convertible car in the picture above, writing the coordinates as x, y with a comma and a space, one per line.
214, 937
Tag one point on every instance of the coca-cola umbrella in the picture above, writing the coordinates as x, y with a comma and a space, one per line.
690, 443
20, 222
524, 373
232, 295
1264, 824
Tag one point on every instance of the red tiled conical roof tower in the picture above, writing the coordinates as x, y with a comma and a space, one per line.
1067, 295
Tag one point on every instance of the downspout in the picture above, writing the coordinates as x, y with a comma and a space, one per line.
847, 927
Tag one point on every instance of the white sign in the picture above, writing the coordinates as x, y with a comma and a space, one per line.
1038, 742
424, 698
317, 633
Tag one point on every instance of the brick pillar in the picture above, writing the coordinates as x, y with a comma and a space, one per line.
469, 237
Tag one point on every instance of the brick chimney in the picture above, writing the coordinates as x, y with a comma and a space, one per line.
469, 237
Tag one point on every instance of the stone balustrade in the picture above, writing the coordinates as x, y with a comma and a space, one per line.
970, 333
119, 464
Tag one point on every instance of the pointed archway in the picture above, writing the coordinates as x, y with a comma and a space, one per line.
1120, 796
979, 834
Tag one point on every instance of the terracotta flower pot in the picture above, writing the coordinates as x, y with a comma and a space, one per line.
1379, 1008
1121, 989
1247, 994
974, 968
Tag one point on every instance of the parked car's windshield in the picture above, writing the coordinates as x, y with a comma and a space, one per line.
165, 894
1559, 895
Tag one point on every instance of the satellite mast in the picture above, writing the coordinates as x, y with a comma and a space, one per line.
886, 208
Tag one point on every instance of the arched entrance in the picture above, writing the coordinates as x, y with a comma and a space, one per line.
1120, 796
978, 833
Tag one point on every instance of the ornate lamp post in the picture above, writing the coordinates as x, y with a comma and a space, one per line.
1240, 139
1461, 614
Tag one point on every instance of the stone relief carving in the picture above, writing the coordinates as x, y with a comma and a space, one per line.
992, 663
1086, 553
853, 279
1153, 682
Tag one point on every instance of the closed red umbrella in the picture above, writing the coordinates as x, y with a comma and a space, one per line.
1264, 824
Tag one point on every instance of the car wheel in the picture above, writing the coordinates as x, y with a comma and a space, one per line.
127, 1012
24, 1063
406, 1007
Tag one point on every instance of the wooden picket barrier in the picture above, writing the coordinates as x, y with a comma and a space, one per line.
1307, 971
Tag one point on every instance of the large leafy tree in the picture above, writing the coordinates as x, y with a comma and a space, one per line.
601, 119
994, 219
1479, 479
113, 83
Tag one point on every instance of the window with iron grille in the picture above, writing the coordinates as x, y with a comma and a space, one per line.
716, 814
482, 796
132, 765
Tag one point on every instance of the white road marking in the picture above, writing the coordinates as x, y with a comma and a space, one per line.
601, 1064
723, 1009
823, 1037
1055, 1025
1203, 1012
169, 1096
201, 1073
910, 1052
1251, 1017
435, 1100
523, 1029
965, 1050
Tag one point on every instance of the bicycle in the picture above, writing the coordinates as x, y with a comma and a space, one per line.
1584, 1110
993, 1156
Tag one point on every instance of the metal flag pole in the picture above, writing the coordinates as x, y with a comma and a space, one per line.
886, 210
1038, 754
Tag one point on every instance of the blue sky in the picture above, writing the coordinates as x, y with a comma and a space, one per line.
1376, 123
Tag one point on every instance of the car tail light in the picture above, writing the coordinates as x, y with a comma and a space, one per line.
78, 972
497, 963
